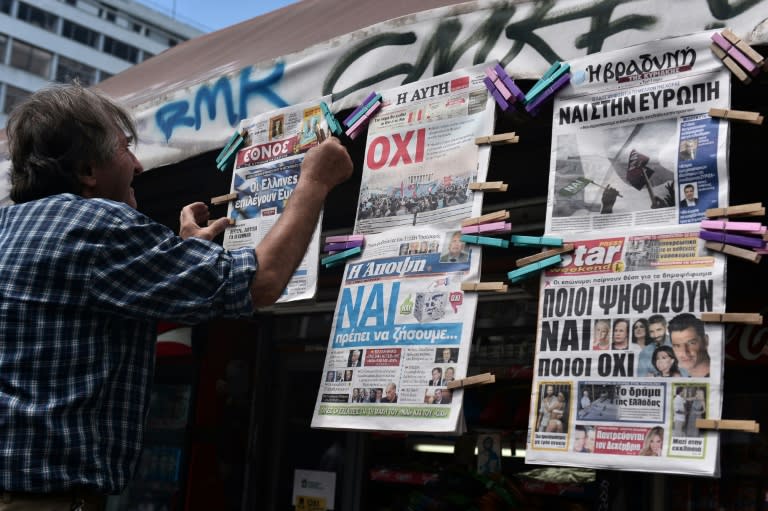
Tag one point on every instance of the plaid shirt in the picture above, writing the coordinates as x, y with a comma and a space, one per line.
82, 283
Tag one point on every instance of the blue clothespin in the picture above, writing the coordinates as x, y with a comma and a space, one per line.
362, 109
330, 119
485, 240
545, 94
226, 155
328, 261
535, 241
225, 149
563, 67
529, 269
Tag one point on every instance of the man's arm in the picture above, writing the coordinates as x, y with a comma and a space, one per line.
284, 246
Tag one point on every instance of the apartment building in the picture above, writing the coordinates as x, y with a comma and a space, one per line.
43, 41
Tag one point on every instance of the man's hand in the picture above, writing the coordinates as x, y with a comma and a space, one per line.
326, 165
193, 216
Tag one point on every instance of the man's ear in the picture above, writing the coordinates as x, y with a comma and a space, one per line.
87, 180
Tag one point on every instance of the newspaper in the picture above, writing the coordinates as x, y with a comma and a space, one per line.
421, 155
401, 332
624, 365
264, 177
632, 142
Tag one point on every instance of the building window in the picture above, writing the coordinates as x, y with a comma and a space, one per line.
80, 34
70, 69
37, 17
3, 46
6, 6
121, 50
28, 58
146, 56
13, 96
71, 2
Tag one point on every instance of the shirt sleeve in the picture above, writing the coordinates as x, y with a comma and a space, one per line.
142, 269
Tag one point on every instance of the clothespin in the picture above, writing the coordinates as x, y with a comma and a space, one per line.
547, 92
502, 87
567, 247
230, 149
742, 253
748, 64
484, 240
733, 239
733, 425
336, 244
230, 221
501, 138
732, 317
492, 228
529, 269
744, 47
753, 209
364, 119
223, 199
489, 186
736, 115
340, 256
499, 287
730, 64
724, 225
472, 381
330, 119
553, 75
496, 216
344, 237
536, 241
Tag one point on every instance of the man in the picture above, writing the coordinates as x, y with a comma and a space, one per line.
678, 404
456, 252
690, 199
390, 393
85, 277
689, 342
438, 399
657, 335
579, 438
445, 356
437, 377
378, 396
354, 359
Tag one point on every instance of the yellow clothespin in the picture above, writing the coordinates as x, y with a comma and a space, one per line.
752, 209
489, 186
223, 199
472, 381
496, 216
741, 253
732, 317
733, 425
501, 138
736, 115
567, 247
499, 287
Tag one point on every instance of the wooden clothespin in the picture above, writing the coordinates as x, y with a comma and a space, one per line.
730, 64
748, 318
501, 138
223, 199
499, 287
736, 115
741, 253
568, 247
753, 209
489, 186
472, 381
496, 216
231, 221
732, 425
749, 65
744, 47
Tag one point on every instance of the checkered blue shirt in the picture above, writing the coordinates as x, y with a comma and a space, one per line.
82, 283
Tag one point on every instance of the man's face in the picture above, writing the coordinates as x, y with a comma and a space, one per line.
113, 178
579, 437
355, 356
689, 348
391, 393
456, 245
550, 391
688, 190
435, 374
438, 394
378, 394
657, 331
446, 355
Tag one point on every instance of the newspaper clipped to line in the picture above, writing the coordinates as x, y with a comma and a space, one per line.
624, 365
401, 332
632, 142
421, 155
264, 177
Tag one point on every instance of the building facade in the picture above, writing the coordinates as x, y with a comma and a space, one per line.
45, 41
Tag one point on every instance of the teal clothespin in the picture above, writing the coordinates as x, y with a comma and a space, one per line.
535, 241
485, 240
346, 254
333, 123
225, 149
529, 269
551, 77
229, 151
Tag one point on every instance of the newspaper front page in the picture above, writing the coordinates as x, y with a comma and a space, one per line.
265, 175
401, 332
624, 365
632, 142
421, 155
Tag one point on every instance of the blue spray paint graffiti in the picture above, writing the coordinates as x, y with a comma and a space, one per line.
176, 114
